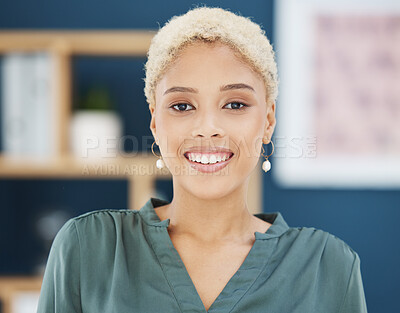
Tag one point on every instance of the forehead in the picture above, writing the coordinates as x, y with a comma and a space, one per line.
202, 49
211, 63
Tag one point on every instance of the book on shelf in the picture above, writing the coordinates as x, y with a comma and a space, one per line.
28, 106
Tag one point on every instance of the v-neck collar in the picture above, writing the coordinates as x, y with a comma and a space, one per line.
178, 277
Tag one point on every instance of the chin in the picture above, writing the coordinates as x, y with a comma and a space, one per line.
208, 187
209, 194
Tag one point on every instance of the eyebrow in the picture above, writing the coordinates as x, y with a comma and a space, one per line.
222, 88
236, 86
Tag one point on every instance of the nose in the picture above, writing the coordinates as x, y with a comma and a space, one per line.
207, 125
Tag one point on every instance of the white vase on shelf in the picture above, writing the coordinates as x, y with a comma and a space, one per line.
95, 135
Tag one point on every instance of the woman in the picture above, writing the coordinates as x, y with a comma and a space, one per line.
211, 85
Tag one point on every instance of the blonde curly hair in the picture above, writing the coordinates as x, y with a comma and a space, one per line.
210, 25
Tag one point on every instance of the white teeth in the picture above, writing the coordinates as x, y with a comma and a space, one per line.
207, 158
204, 159
213, 159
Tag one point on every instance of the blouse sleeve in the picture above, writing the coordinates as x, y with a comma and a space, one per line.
60, 290
354, 300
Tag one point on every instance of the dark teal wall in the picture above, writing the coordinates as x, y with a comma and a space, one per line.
366, 219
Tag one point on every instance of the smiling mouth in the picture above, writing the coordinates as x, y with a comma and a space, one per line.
208, 158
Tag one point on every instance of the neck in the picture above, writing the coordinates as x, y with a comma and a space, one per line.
210, 220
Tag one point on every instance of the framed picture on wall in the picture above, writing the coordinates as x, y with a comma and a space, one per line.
338, 111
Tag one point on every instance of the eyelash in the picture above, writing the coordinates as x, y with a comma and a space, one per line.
241, 108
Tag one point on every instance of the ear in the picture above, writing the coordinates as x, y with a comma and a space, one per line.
270, 123
153, 122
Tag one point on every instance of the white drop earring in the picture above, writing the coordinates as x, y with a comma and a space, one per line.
160, 162
266, 166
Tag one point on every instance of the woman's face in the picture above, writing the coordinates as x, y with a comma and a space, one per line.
210, 119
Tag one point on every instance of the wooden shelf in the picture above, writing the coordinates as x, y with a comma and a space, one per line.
70, 167
99, 42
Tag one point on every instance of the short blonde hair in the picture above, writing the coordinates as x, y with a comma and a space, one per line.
210, 25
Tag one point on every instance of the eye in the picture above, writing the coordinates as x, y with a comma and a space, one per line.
182, 107
236, 106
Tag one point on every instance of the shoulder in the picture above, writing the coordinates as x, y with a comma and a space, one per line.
104, 213
308, 242
107, 233
99, 224
105, 217
330, 251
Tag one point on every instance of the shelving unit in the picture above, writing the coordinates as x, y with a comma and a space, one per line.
62, 46
139, 170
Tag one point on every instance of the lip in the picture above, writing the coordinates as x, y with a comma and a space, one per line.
209, 168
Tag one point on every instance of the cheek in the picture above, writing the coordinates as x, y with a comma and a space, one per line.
251, 134
171, 135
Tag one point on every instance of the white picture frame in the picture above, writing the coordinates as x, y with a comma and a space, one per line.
297, 159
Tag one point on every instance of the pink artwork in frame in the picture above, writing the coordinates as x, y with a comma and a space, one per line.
357, 85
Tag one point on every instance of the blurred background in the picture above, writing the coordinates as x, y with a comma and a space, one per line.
57, 88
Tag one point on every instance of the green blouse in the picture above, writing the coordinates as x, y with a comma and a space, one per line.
121, 261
